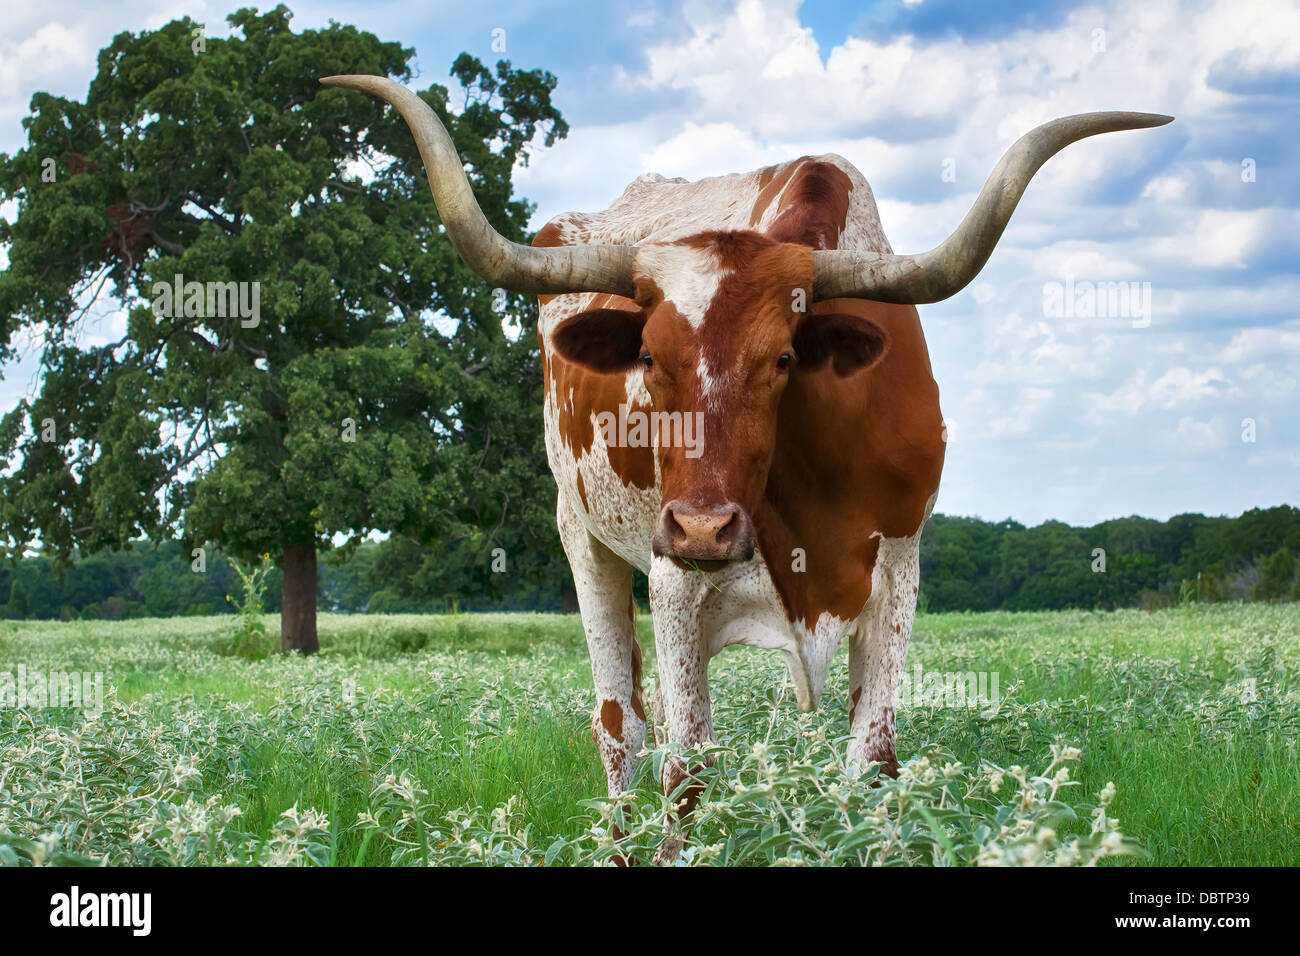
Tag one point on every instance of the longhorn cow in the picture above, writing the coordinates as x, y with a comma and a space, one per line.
768, 308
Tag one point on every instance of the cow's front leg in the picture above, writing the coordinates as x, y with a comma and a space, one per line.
603, 581
877, 650
683, 693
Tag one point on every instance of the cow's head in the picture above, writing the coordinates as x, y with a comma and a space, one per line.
715, 329
723, 324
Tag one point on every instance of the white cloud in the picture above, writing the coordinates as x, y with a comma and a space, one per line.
1028, 402
1018, 351
1194, 436
1166, 189
1217, 238
1084, 259
1174, 388
1181, 386
1235, 304
711, 149
52, 46
38, 61
1254, 343
1266, 384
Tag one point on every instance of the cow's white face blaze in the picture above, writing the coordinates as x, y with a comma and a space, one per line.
718, 335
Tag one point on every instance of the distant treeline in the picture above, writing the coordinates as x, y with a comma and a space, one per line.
973, 565
966, 565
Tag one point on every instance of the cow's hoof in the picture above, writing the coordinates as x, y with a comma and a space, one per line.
885, 767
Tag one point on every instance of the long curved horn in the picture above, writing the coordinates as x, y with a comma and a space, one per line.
592, 268
945, 269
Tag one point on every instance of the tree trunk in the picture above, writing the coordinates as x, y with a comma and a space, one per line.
298, 600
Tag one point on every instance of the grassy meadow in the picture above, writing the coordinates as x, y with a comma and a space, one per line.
1125, 738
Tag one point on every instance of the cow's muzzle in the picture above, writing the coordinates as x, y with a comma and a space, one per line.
715, 534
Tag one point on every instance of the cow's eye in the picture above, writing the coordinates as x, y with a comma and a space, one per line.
646, 360
785, 361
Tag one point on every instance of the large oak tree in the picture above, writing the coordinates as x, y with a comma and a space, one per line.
346, 407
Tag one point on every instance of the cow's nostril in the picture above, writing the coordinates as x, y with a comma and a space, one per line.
718, 533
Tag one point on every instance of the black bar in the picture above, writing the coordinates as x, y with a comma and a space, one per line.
215, 906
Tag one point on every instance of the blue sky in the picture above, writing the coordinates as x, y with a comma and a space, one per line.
1075, 417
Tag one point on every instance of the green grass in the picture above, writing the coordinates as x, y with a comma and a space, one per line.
466, 738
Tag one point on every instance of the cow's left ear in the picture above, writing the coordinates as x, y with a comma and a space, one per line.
603, 340
848, 342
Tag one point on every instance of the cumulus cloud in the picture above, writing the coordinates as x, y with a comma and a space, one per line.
1254, 343
52, 46
1192, 436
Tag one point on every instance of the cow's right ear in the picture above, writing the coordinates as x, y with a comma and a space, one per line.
603, 340
847, 342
